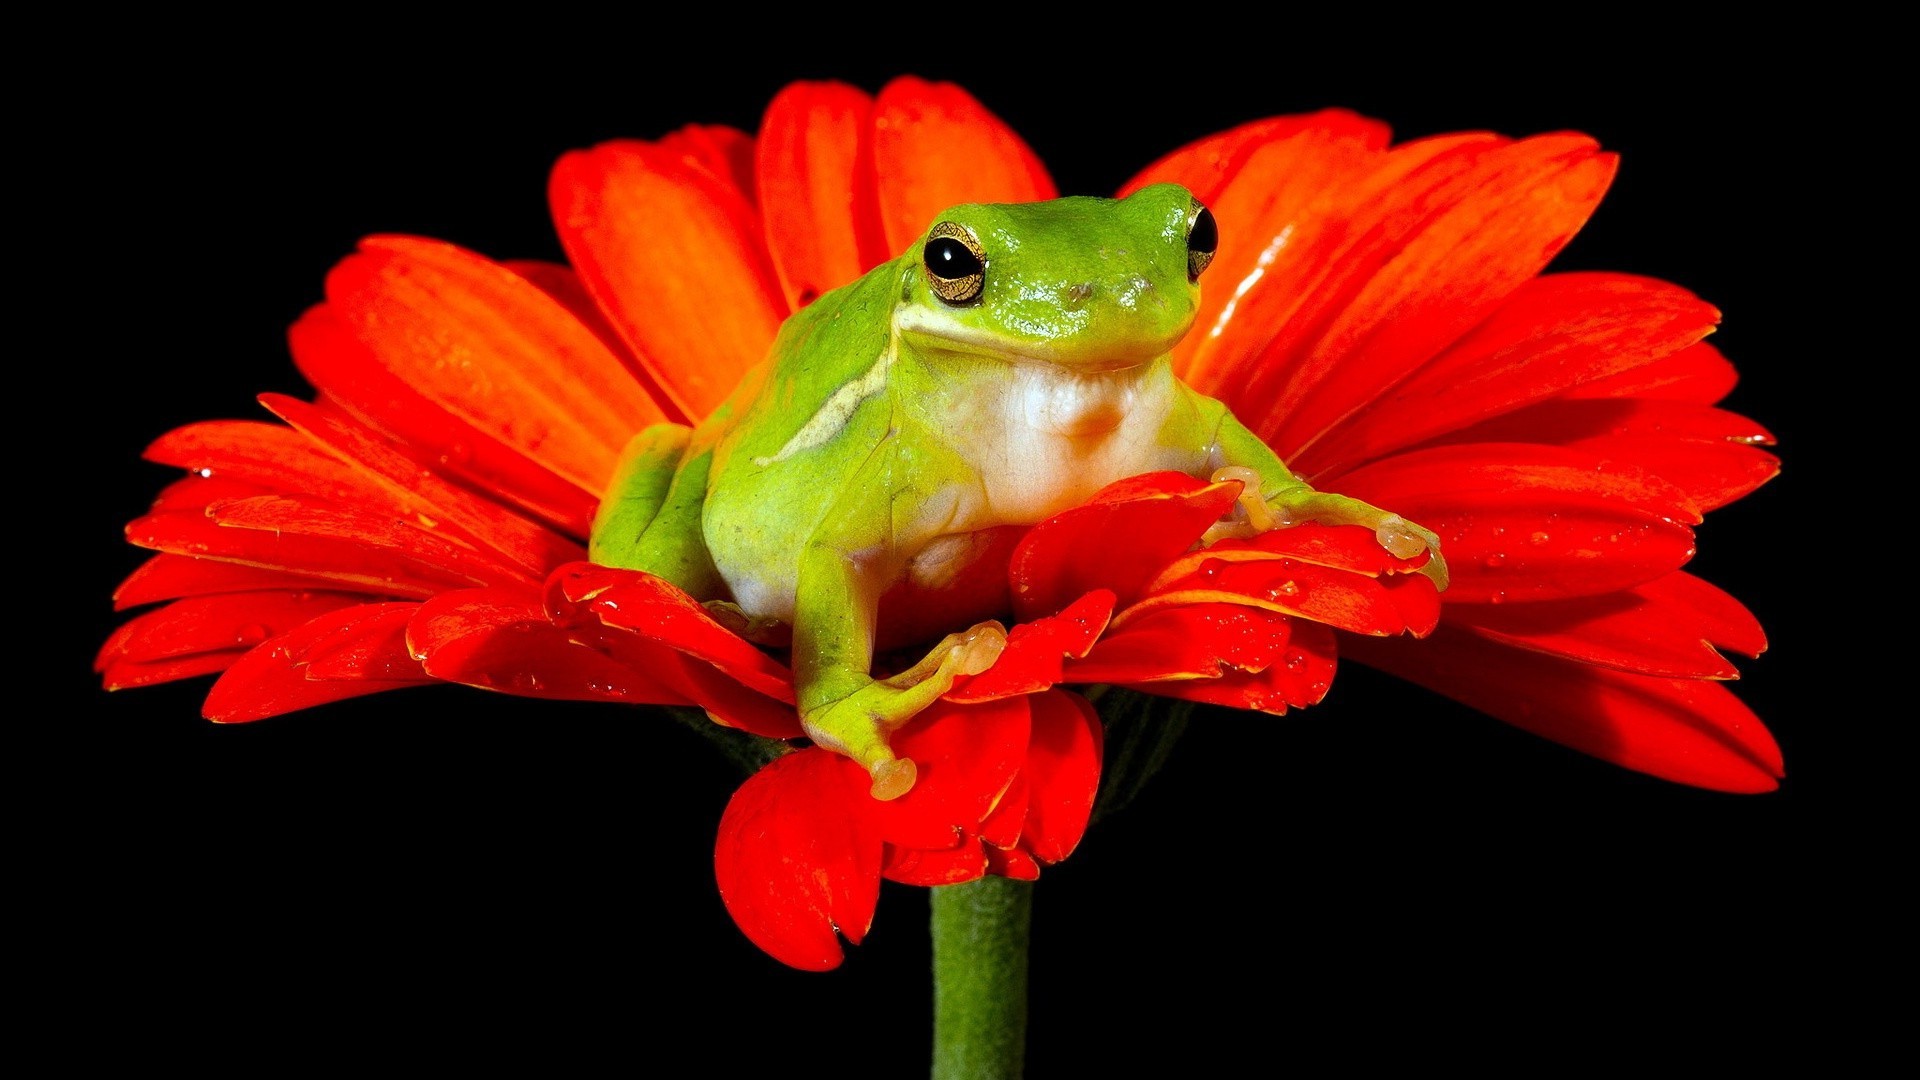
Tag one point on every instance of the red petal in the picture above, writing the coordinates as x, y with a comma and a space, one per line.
1277, 197
816, 180
1062, 774
489, 347
354, 380
264, 455
502, 639
674, 255
1194, 641
1709, 453
296, 518
224, 622
966, 756
1504, 222
798, 857
1032, 660
1012, 863
169, 577
1347, 601
1118, 540
350, 563
1301, 680
652, 608
272, 679
1667, 627
425, 499
1526, 522
1208, 165
560, 282
920, 867
1698, 374
935, 146
1552, 333
1309, 276
123, 675
1690, 731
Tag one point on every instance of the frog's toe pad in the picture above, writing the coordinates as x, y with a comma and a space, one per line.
893, 778
978, 648
1400, 537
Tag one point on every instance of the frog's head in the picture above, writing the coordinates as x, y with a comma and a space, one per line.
1084, 283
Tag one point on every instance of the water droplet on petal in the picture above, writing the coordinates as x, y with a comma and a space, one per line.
250, 635
1538, 537
1494, 561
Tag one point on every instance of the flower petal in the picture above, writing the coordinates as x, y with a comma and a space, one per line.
1301, 678
798, 858
1118, 540
1033, 657
170, 577
815, 169
966, 756
1207, 166
1667, 627
1553, 333
488, 346
1710, 454
1062, 774
924, 868
417, 495
664, 244
272, 678
935, 146
1525, 522
1698, 374
502, 639
1192, 641
1691, 731
352, 379
1336, 575
1504, 221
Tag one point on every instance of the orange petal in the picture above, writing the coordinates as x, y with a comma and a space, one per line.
1690, 731
1307, 276
798, 857
265, 455
1209, 165
564, 285
1711, 454
1698, 374
1525, 522
1505, 221
935, 146
272, 679
674, 255
1667, 627
1553, 333
353, 380
488, 346
815, 171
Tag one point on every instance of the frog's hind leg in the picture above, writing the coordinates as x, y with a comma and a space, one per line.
650, 517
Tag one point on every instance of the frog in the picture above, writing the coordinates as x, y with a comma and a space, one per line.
1011, 362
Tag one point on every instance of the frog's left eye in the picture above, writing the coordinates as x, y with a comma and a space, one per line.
1203, 236
956, 266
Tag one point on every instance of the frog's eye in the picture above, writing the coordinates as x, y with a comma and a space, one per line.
1203, 236
956, 267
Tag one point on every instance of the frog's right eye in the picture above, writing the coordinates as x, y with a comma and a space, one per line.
956, 266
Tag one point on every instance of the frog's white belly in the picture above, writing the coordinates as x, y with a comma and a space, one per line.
1053, 437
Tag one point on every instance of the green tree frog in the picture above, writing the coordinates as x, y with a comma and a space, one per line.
906, 426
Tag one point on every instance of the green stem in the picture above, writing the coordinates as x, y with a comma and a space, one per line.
980, 933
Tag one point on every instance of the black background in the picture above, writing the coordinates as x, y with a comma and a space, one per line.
444, 872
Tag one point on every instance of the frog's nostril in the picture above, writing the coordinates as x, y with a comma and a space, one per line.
1076, 295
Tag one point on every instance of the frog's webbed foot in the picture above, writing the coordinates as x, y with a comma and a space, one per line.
861, 724
1403, 539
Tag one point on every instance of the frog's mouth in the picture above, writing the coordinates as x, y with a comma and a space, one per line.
933, 331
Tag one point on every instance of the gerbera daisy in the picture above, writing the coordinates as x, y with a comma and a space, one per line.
1302, 347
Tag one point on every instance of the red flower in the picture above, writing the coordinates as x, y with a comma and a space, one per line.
1377, 313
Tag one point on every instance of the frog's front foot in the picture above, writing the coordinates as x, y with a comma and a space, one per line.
861, 724
1403, 539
